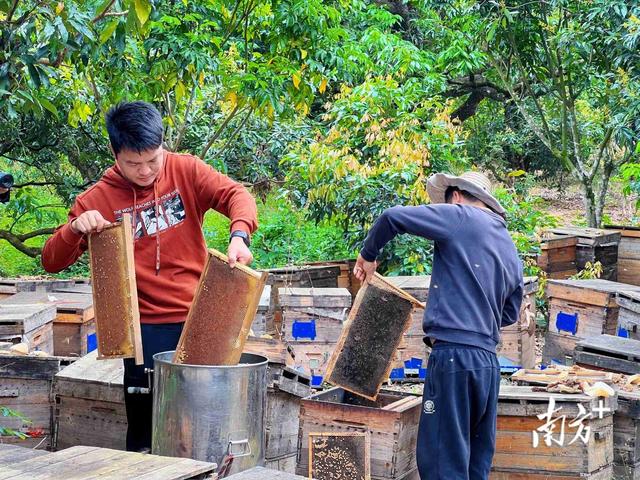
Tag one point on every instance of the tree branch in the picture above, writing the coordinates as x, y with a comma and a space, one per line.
104, 12
218, 132
12, 11
17, 241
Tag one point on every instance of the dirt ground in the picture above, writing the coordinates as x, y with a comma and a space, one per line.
567, 204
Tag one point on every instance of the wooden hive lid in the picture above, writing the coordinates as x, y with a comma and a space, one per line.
588, 236
594, 292
624, 230
314, 297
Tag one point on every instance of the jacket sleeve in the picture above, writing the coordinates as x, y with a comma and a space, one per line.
65, 246
434, 222
218, 192
511, 310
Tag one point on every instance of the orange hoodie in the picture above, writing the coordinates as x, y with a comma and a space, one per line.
168, 213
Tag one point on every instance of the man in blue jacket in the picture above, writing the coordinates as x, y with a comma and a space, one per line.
476, 288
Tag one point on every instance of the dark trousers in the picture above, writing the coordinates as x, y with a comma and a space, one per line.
139, 406
457, 432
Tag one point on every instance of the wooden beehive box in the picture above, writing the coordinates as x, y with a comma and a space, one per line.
11, 286
221, 314
302, 276
629, 314
626, 437
518, 341
89, 399
259, 325
313, 314
31, 324
285, 389
628, 253
580, 309
73, 326
262, 473
115, 294
558, 256
346, 279
340, 456
313, 359
516, 458
594, 245
274, 349
391, 420
363, 358
608, 352
26, 384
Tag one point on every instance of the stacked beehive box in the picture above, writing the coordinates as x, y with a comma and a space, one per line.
312, 321
391, 420
26, 387
579, 309
259, 325
558, 256
629, 315
304, 276
285, 389
74, 324
412, 354
628, 254
90, 409
346, 279
11, 286
518, 341
29, 324
594, 245
626, 437
565, 458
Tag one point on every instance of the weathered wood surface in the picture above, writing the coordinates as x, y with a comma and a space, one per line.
90, 404
259, 326
10, 454
587, 236
558, 256
558, 348
629, 314
26, 386
391, 420
534, 473
20, 319
593, 292
363, 358
522, 401
84, 288
610, 353
84, 463
273, 348
261, 473
15, 285
415, 285
340, 456
220, 317
314, 297
74, 339
518, 417
115, 294
69, 307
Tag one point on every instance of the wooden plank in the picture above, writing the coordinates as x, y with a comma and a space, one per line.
594, 292
618, 346
10, 454
115, 294
624, 230
220, 317
340, 456
363, 357
69, 307
20, 319
535, 474
261, 473
314, 297
588, 236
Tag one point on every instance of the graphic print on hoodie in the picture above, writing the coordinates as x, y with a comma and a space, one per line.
170, 249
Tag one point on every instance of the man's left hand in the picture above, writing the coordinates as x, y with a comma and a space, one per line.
239, 252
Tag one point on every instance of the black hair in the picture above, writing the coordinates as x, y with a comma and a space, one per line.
134, 126
448, 194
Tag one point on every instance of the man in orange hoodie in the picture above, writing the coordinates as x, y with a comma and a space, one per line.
167, 195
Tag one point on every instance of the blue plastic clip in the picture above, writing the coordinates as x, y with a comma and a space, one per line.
567, 322
622, 332
306, 330
92, 342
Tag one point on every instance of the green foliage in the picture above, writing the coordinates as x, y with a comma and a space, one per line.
590, 271
9, 432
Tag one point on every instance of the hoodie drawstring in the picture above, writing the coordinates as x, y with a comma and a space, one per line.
155, 200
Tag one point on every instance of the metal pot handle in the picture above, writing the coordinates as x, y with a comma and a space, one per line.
236, 443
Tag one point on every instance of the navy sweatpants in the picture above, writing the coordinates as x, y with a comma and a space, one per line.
139, 406
457, 432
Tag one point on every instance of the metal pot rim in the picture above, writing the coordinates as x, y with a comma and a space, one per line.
264, 361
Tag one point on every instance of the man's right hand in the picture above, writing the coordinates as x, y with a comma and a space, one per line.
89, 222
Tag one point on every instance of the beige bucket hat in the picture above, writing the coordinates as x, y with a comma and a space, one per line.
476, 183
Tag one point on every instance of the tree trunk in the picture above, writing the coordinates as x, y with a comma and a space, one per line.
589, 202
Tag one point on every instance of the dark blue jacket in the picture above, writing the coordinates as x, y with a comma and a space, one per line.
476, 282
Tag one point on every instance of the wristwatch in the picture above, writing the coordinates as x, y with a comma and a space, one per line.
243, 235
